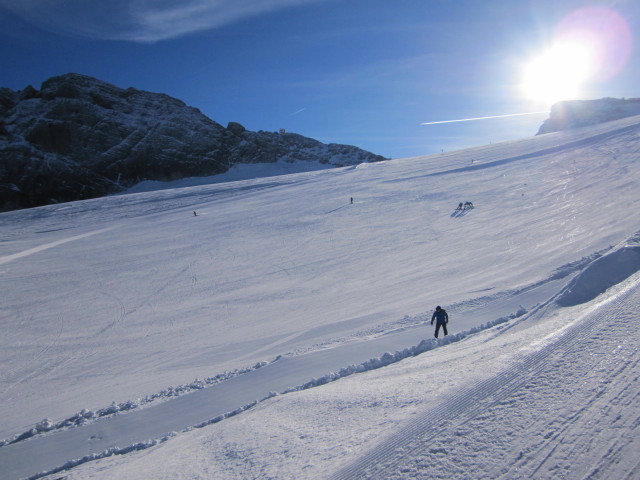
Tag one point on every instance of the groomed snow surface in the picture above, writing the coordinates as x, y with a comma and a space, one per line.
271, 329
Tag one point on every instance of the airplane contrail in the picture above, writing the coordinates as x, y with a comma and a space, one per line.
483, 118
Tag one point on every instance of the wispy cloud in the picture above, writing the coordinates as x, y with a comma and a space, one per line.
143, 21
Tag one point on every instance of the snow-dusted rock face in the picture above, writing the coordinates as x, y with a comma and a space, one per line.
78, 137
580, 113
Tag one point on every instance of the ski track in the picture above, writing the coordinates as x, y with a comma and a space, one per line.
31, 251
531, 443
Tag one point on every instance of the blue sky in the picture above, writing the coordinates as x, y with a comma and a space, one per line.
361, 72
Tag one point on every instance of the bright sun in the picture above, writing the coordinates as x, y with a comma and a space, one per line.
559, 73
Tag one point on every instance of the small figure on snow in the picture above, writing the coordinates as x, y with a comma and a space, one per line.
459, 206
442, 318
351, 200
195, 214
468, 205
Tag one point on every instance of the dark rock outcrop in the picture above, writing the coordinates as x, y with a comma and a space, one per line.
78, 137
581, 113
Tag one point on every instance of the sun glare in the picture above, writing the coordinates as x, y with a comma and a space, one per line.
589, 46
558, 74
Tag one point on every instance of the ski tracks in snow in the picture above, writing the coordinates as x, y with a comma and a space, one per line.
31, 251
581, 424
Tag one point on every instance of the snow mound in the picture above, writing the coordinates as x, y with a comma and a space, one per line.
600, 275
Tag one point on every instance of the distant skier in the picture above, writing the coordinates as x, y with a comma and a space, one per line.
195, 214
442, 318
351, 200
459, 206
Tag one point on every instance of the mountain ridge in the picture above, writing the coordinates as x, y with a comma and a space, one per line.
79, 137
570, 114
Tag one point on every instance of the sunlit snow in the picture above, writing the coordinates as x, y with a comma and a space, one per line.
271, 328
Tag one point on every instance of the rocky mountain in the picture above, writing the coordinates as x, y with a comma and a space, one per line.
79, 137
580, 113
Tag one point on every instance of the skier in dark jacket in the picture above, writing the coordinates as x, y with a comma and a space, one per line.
442, 318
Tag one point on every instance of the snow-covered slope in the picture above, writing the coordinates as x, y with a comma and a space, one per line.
117, 299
